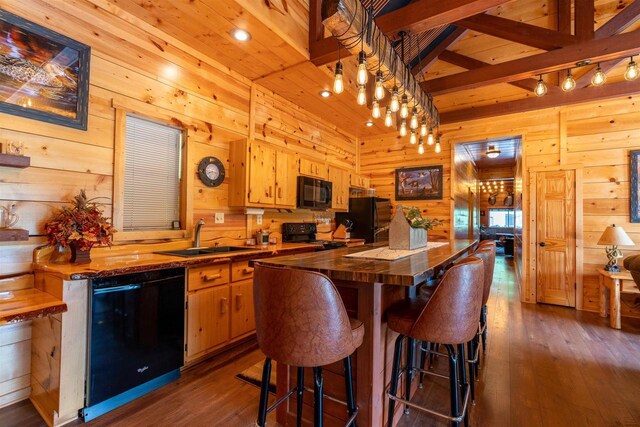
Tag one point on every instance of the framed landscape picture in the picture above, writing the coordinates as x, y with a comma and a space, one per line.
43, 75
635, 193
419, 183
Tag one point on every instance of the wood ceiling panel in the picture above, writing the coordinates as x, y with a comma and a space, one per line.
478, 151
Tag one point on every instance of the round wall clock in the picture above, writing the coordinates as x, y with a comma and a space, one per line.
211, 171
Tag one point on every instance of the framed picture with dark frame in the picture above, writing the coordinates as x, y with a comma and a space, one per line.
635, 191
43, 74
419, 183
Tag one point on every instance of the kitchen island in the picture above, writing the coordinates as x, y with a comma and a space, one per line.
367, 288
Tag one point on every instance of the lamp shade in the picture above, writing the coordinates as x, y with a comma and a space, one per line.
615, 236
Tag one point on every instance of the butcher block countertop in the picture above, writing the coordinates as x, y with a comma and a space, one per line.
105, 266
409, 271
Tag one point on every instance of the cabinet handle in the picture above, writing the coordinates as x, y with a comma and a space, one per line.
238, 301
212, 277
279, 192
247, 270
270, 188
224, 304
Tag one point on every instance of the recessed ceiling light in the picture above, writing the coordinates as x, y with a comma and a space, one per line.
325, 93
240, 34
493, 152
368, 123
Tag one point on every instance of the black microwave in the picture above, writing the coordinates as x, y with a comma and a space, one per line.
313, 193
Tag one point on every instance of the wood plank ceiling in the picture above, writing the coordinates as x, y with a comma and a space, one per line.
478, 152
480, 58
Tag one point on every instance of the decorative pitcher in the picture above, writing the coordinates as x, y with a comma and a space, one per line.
7, 217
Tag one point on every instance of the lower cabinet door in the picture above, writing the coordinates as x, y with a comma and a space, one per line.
207, 319
242, 315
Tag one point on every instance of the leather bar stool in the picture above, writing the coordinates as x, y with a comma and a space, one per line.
488, 281
301, 322
448, 317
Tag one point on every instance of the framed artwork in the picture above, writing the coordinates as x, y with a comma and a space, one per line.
482, 213
43, 75
419, 183
635, 193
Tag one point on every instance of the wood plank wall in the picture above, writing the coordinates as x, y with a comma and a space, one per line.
465, 195
518, 207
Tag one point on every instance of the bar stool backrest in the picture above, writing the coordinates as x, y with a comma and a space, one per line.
487, 242
488, 256
452, 313
300, 318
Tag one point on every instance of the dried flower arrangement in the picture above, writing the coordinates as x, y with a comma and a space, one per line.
415, 219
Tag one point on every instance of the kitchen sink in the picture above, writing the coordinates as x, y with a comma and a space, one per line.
193, 252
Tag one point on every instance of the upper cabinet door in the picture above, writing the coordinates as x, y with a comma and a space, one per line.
313, 168
285, 180
340, 188
262, 169
359, 181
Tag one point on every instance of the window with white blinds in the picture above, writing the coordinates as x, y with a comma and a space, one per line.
152, 175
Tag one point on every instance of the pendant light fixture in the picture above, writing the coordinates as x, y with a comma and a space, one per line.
541, 87
338, 82
413, 124
404, 106
413, 138
438, 148
379, 90
421, 146
423, 126
403, 127
375, 112
395, 103
599, 78
632, 72
493, 152
569, 83
388, 121
362, 76
362, 95
430, 137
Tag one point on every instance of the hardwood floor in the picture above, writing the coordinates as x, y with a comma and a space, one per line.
545, 366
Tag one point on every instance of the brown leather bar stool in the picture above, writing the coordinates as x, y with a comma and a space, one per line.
301, 321
448, 317
490, 246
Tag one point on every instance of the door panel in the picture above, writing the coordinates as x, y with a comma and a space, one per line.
262, 169
556, 237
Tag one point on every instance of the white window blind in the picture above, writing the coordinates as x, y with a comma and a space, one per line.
152, 175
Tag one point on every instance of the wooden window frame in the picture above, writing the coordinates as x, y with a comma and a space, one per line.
186, 185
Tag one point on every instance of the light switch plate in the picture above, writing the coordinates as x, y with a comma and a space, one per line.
219, 218
259, 219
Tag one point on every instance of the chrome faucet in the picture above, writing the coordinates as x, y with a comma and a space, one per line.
196, 235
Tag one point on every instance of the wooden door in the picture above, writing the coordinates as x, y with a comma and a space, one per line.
262, 170
207, 319
286, 180
556, 237
242, 314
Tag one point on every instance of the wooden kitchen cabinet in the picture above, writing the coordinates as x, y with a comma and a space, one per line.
340, 188
207, 320
285, 180
360, 181
262, 170
313, 168
242, 315
205, 277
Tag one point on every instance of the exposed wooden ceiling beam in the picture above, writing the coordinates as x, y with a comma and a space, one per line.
519, 69
472, 64
518, 32
628, 16
432, 56
423, 15
564, 16
578, 96
584, 19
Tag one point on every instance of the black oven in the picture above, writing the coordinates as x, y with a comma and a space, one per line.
313, 193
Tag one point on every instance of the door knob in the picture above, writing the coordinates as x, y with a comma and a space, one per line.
543, 244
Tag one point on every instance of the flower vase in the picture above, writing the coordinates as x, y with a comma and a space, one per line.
59, 255
79, 256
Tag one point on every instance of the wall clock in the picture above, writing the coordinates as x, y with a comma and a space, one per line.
211, 171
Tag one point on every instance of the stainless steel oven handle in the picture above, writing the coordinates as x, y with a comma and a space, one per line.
116, 289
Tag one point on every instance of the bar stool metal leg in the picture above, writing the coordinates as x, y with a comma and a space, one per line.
462, 372
472, 371
483, 316
395, 372
300, 390
348, 382
410, 346
264, 392
453, 384
423, 347
317, 391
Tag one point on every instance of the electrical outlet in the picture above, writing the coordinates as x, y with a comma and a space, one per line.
219, 218
259, 219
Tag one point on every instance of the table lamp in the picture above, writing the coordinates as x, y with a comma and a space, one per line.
614, 236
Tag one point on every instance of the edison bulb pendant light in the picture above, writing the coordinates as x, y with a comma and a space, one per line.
388, 121
379, 90
430, 137
632, 72
541, 87
362, 95
599, 78
438, 148
403, 128
413, 124
568, 84
395, 104
338, 82
413, 138
363, 75
423, 126
421, 146
375, 112
404, 107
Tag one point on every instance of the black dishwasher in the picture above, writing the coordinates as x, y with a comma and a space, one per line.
136, 337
